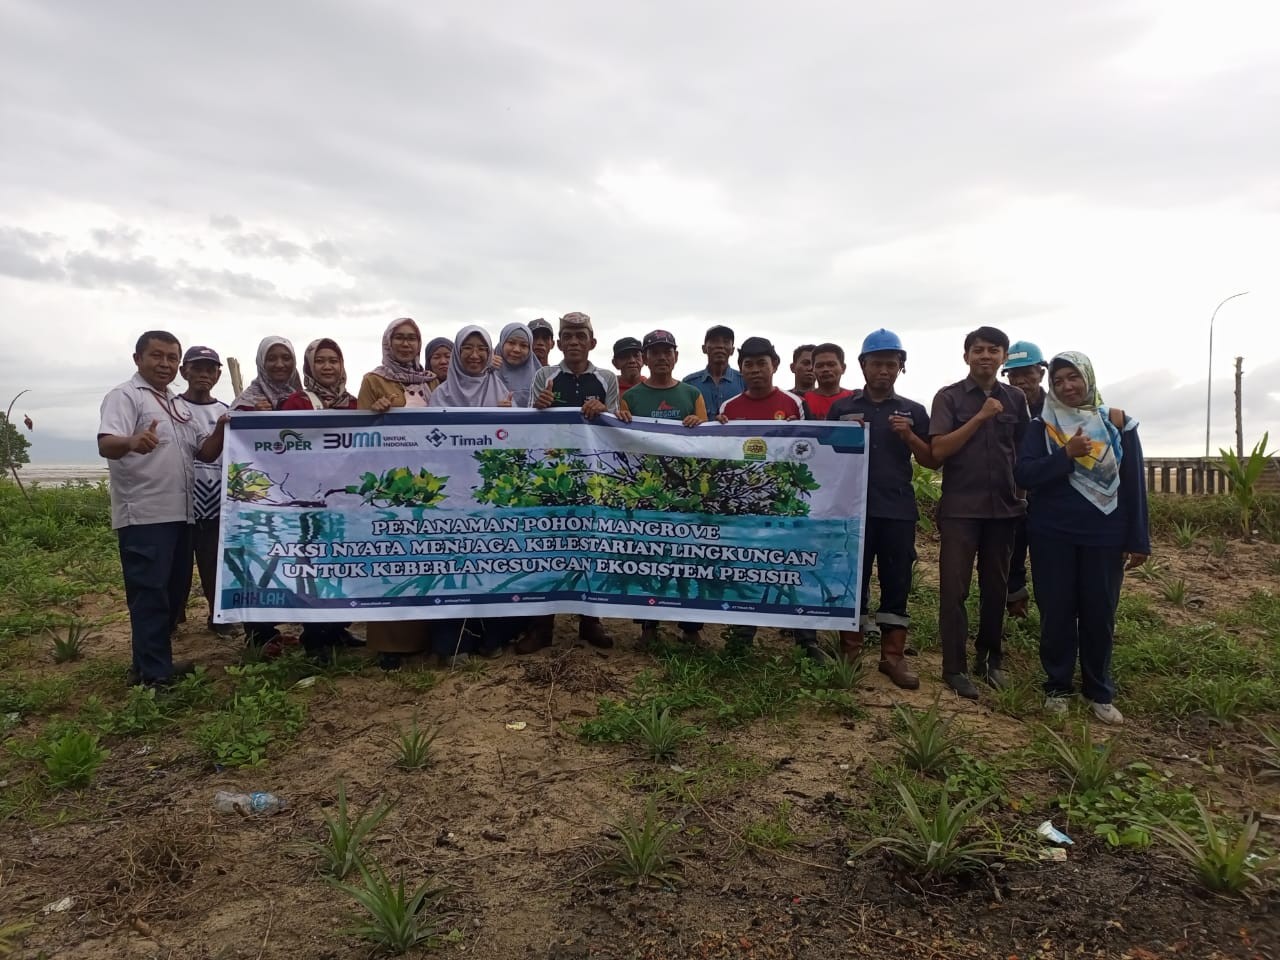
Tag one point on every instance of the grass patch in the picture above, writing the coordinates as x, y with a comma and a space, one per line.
52, 554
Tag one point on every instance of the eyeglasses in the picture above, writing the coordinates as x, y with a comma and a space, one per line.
404, 338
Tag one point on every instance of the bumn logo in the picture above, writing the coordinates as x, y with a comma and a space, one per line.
345, 441
289, 440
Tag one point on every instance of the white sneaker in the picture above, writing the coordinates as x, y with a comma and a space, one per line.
1055, 705
1107, 713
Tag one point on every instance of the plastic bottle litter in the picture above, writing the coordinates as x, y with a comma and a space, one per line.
247, 804
1049, 832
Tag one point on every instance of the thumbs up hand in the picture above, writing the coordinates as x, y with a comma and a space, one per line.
1078, 445
146, 440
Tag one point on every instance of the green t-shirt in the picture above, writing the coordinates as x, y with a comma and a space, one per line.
675, 402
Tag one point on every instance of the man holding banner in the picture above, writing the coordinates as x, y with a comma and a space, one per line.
574, 382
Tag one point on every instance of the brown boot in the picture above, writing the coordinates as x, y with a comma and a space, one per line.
540, 634
851, 644
1017, 608
893, 641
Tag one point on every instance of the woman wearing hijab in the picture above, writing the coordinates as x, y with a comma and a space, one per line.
518, 364
324, 387
472, 382
324, 380
438, 352
277, 377
400, 380
276, 381
1081, 463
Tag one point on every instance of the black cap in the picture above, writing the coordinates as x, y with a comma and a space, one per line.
719, 330
757, 347
626, 345
541, 324
655, 337
202, 353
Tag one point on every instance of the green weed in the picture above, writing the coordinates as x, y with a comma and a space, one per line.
926, 739
413, 747
1268, 752
773, 832
644, 850
1087, 764
238, 735
140, 713
1185, 534
932, 846
340, 852
1124, 809
1151, 571
69, 645
1175, 591
1222, 861
1018, 697
1218, 546
399, 919
71, 759
659, 732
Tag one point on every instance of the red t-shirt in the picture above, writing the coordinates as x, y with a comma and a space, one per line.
300, 401
778, 405
819, 406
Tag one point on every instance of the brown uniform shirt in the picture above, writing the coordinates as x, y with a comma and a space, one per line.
977, 480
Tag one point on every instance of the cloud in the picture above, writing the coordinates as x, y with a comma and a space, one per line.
1091, 175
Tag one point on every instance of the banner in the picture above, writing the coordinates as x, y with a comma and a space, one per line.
426, 514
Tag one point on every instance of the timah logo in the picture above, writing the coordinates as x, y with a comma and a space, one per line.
755, 449
345, 441
438, 437
289, 440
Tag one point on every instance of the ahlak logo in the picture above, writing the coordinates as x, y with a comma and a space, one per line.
501, 434
437, 437
290, 440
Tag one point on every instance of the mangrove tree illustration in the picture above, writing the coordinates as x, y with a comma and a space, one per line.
628, 481
396, 487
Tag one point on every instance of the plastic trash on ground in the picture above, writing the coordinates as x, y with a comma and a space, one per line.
1049, 832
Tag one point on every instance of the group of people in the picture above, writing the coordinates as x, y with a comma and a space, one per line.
1028, 467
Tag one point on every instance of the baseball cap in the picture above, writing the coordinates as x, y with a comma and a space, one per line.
757, 347
656, 337
202, 353
541, 324
719, 330
576, 320
626, 345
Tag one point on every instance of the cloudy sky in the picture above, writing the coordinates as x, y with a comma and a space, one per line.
1094, 175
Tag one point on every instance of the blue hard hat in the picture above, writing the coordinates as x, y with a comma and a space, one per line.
1024, 353
882, 340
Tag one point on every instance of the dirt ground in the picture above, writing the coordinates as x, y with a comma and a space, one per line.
513, 820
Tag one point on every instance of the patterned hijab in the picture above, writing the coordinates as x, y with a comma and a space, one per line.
336, 395
392, 369
261, 387
461, 389
519, 380
1096, 476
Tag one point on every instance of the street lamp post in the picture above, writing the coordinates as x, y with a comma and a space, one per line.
1208, 404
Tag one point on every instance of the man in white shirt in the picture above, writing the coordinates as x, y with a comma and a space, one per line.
150, 439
